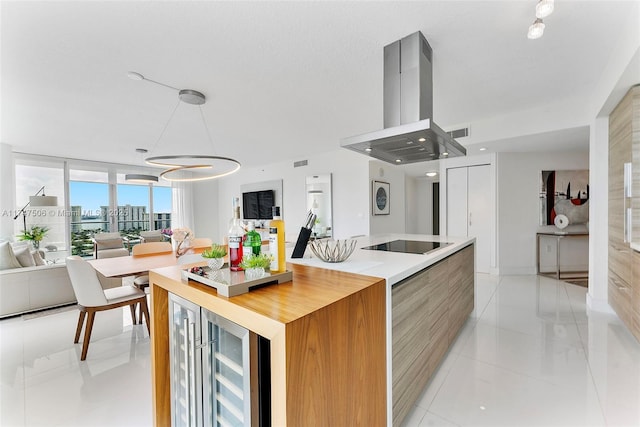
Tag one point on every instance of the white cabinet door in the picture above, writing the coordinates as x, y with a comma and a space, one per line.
457, 202
469, 209
479, 214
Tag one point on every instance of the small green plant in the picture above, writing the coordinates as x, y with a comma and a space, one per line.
35, 234
256, 261
215, 251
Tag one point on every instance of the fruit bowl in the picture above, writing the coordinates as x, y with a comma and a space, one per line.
329, 250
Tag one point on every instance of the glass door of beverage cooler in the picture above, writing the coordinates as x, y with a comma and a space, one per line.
226, 370
185, 362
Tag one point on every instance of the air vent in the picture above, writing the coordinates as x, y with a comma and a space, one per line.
459, 133
300, 163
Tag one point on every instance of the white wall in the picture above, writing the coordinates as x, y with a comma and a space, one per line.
598, 297
518, 204
206, 210
350, 172
419, 205
395, 222
7, 198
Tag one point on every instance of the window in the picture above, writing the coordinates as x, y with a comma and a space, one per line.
99, 201
90, 208
161, 207
31, 177
133, 209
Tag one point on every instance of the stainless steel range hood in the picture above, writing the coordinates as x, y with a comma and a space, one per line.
409, 134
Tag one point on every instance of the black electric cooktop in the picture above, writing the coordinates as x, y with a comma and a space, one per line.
408, 246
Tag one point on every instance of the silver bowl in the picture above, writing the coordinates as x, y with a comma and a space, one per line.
329, 250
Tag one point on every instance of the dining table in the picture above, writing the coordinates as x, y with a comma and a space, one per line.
133, 265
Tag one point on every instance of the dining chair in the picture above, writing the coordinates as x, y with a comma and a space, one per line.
142, 281
151, 236
93, 298
200, 242
109, 245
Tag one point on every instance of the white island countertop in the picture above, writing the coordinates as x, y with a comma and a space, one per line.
392, 266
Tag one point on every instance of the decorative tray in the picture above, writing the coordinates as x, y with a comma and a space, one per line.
231, 283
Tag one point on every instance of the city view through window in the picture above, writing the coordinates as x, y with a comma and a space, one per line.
139, 208
94, 205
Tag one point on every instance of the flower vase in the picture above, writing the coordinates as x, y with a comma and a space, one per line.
254, 273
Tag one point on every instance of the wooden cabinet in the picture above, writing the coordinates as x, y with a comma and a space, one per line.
428, 310
624, 272
327, 343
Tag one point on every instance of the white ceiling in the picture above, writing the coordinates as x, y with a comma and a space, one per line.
284, 80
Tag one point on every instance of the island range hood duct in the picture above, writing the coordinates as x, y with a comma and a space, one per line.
409, 134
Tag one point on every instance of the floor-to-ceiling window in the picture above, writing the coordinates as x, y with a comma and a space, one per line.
41, 177
90, 208
142, 207
99, 200
161, 207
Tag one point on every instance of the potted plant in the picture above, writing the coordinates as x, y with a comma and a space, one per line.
35, 234
255, 266
215, 256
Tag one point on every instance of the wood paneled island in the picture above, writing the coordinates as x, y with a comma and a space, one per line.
330, 332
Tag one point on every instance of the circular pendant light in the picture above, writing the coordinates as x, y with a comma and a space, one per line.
140, 178
215, 166
199, 172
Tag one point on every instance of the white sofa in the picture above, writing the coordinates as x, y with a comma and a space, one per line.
28, 289
27, 283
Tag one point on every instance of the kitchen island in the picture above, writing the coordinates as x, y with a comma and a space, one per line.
347, 341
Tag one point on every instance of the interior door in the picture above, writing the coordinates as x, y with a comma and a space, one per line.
469, 209
457, 202
479, 214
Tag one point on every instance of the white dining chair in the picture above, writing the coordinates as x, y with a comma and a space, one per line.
93, 298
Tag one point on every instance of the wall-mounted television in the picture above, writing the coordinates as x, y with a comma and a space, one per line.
257, 204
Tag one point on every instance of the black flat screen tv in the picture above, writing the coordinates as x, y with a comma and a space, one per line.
257, 204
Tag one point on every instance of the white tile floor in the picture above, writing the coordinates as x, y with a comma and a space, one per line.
529, 355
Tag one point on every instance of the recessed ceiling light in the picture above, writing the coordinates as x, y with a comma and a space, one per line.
536, 29
368, 150
483, 149
544, 8
409, 142
421, 139
398, 160
421, 149
431, 174
445, 154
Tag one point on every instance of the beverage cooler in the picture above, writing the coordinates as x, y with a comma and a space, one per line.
211, 370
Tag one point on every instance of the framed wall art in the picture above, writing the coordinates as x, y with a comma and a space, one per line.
381, 198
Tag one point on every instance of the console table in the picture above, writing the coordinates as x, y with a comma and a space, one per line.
559, 234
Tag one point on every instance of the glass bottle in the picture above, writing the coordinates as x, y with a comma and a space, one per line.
235, 236
276, 242
252, 241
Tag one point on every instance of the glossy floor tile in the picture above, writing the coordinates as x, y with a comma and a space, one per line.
43, 382
529, 355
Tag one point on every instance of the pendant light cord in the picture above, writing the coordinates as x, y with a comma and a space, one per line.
164, 129
206, 128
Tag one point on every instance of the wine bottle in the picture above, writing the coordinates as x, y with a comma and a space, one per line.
252, 241
276, 242
235, 235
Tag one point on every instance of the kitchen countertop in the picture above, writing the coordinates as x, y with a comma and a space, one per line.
392, 266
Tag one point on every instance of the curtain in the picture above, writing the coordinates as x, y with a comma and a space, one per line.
182, 201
